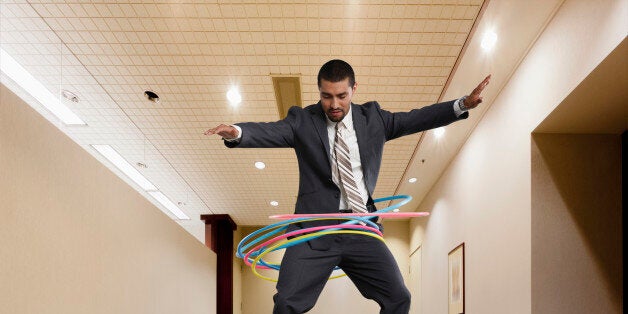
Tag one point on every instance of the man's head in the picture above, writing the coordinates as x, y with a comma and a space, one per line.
335, 71
336, 84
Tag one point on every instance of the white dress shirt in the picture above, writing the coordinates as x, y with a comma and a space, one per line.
348, 134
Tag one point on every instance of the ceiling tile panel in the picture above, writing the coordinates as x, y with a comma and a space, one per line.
192, 52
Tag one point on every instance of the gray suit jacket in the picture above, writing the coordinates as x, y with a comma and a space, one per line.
305, 130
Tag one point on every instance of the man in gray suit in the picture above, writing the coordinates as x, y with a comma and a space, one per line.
311, 132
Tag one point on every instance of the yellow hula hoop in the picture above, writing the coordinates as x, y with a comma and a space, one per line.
307, 236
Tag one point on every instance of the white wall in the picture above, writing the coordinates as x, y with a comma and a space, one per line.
483, 198
75, 238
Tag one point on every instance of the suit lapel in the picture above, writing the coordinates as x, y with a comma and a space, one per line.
359, 125
318, 118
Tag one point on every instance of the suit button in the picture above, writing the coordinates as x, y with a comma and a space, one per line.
336, 195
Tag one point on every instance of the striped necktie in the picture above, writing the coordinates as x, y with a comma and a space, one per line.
347, 180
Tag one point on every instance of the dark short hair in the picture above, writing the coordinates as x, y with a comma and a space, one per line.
335, 71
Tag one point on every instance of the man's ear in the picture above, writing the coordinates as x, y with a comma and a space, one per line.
355, 87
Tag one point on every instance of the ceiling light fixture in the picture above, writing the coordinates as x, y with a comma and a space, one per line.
234, 97
152, 96
274, 203
35, 88
164, 200
115, 158
412, 180
260, 165
69, 96
439, 132
489, 40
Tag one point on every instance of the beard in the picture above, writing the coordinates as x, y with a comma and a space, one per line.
336, 115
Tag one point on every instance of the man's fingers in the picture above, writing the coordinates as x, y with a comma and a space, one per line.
485, 82
214, 130
480, 87
222, 130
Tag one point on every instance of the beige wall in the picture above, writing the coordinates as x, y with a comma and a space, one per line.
74, 238
339, 295
256, 293
576, 224
483, 198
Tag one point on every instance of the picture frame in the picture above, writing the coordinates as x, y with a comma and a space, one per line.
456, 280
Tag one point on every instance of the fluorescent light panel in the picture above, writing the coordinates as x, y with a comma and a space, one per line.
31, 85
115, 158
160, 197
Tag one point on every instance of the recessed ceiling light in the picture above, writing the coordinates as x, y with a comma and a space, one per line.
488, 41
234, 97
260, 165
412, 180
35, 88
274, 203
438, 132
69, 96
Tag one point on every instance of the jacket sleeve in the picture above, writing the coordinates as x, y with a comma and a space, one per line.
405, 123
268, 134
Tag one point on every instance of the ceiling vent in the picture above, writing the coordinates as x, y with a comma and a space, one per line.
287, 93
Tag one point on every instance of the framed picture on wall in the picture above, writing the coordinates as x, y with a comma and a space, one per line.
456, 280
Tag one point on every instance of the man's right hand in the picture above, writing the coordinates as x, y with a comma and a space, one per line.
226, 131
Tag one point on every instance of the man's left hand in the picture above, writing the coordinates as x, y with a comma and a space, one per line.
474, 99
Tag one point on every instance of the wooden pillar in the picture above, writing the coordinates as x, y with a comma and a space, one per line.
219, 238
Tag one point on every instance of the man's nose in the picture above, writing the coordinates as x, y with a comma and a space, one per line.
334, 103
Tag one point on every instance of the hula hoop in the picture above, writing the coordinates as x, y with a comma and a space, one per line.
308, 237
281, 226
259, 243
380, 215
301, 231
